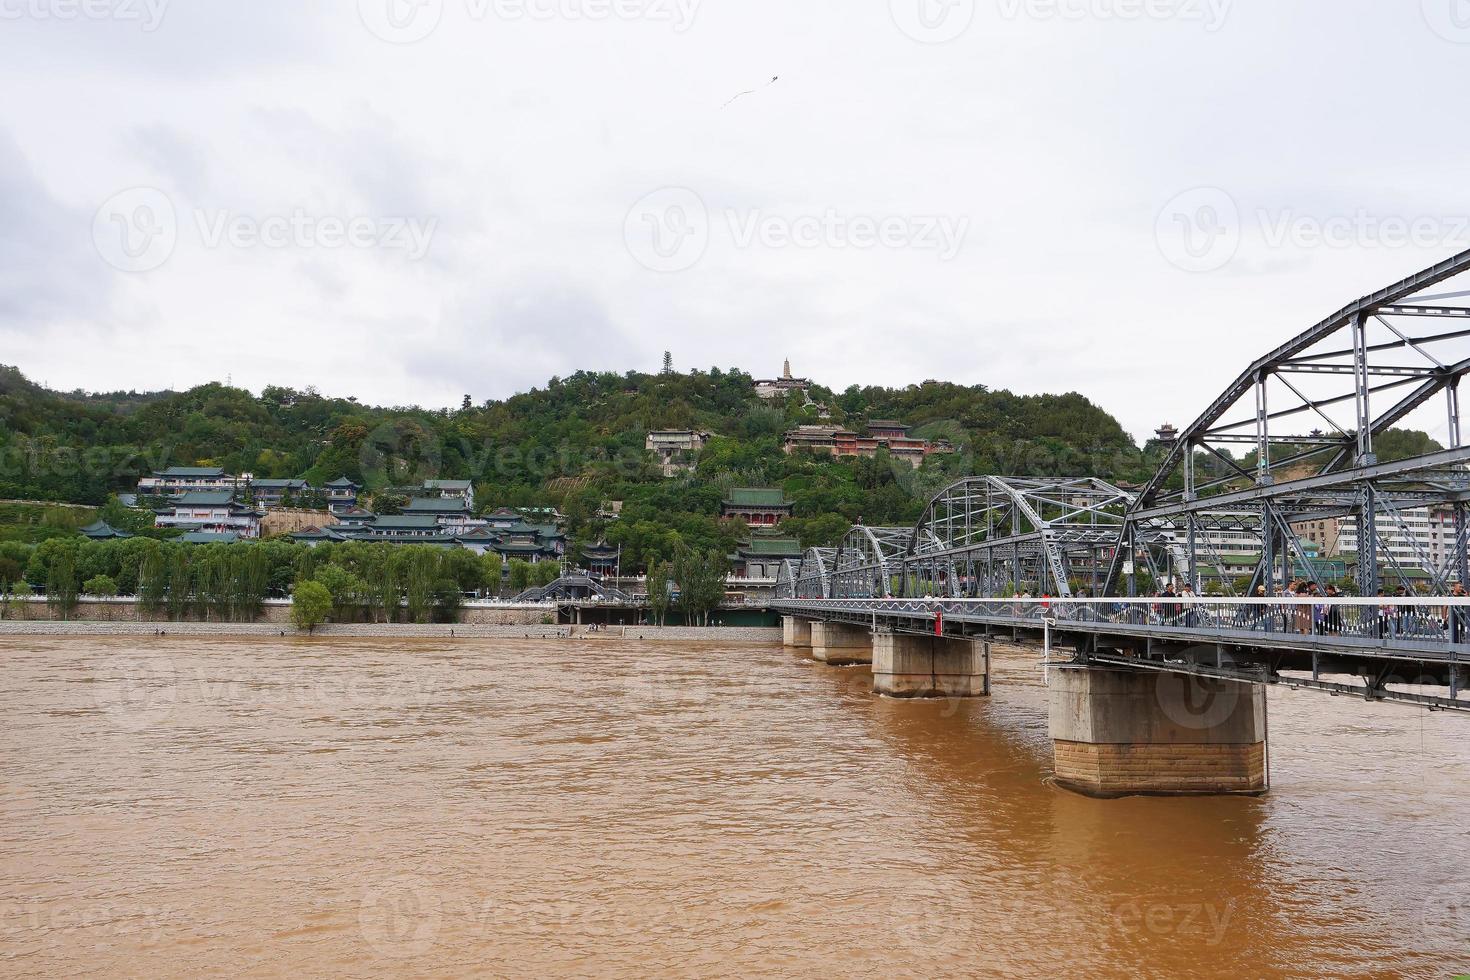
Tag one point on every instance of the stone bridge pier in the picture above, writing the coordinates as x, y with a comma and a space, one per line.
796, 632
841, 644
916, 665
1120, 732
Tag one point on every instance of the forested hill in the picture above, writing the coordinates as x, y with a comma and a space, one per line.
576, 443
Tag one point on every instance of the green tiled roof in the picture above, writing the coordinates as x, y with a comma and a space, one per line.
186, 471
773, 548
757, 497
434, 505
203, 498
446, 484
210, 537
342, 482
101, 529
406, 522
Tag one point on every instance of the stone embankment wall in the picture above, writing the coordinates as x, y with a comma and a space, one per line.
726, 634
275, 612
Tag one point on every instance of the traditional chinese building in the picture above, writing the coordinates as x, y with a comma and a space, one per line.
762, 555
677, 449
834, 440
341, 494
601, 558
757, 506
209, 511
183, 479
782, 386
463, 489
276, 493
103, 531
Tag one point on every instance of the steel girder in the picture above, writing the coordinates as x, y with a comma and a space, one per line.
869, 562
1379, 358
786, 577
814, 577
987, 535
1307, 414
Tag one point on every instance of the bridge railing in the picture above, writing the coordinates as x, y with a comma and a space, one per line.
1409, 620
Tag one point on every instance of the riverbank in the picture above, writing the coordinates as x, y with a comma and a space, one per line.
722, 634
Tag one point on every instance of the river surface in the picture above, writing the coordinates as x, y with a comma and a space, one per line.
606, 807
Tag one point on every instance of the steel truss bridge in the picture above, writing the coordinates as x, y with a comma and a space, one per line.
1290, 444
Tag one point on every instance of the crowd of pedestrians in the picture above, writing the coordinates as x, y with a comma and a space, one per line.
1387, 617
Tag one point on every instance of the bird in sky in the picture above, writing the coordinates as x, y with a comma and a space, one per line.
752, 91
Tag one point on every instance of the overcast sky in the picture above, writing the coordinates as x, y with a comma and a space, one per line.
409, 200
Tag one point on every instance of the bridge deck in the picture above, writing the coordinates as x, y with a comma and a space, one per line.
1410, 644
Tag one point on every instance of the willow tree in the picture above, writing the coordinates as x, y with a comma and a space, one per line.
701, 580
660, 592
180, 584
61, 583
153, 578
422, 577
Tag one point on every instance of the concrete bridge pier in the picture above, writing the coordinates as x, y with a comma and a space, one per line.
1127, 732
796, 632
909, 665
841, 644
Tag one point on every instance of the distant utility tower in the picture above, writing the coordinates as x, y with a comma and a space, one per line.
668, 363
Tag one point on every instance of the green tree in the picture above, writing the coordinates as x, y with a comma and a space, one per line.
543, 573
701, 580
10, 573
660, 589
520, 575
492, 572
310, 604
100, 585
61, 583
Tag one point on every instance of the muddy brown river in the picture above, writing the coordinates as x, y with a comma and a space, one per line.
604, 807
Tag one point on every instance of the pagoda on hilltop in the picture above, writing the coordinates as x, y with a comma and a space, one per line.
782, 386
